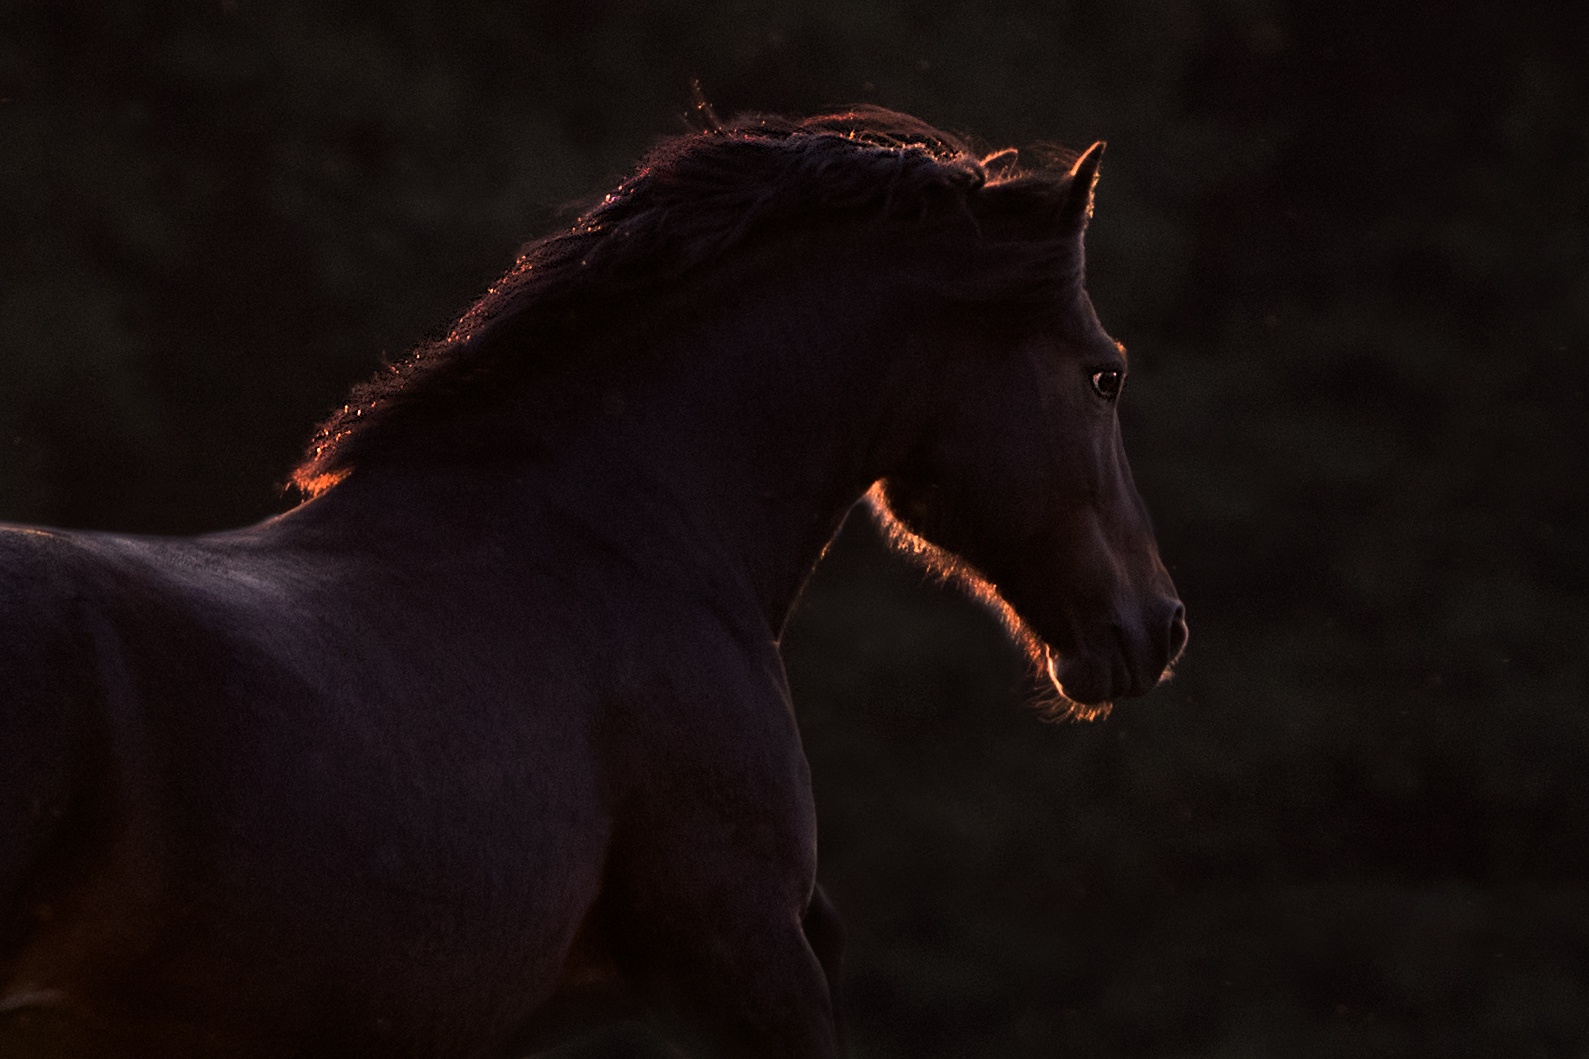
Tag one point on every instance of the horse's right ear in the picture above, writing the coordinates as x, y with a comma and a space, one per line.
1077, 209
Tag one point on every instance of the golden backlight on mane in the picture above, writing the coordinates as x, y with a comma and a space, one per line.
314, 486
512, 698
695, 200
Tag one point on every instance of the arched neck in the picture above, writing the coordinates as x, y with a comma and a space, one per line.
734, 446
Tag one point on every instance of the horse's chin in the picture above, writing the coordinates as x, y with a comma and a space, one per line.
1085, 685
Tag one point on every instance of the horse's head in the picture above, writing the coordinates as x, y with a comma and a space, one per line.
1020, 489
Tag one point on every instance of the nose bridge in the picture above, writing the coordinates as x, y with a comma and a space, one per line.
1130, 531
1148, 610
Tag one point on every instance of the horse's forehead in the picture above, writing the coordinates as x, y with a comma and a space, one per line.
1080, 325
1075, 330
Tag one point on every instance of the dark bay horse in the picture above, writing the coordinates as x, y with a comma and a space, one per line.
492, 731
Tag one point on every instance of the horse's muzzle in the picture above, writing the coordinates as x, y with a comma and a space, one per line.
1129, 665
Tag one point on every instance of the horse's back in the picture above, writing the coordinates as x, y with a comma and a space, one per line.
301, 768
48, 686
295, 776
70, 751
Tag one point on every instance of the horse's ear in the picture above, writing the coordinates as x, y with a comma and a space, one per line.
1074, 214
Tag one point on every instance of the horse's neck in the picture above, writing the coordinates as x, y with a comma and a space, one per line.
733, 450
767, 431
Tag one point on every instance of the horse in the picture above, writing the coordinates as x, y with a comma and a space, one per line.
489, 736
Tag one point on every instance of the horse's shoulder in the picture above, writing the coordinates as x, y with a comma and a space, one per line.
708, 673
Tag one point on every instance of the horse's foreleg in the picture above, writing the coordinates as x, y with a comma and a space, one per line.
757, 990
723, 943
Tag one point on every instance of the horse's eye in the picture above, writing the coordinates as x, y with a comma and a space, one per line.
1108, 383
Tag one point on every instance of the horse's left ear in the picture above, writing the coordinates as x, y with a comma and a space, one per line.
1078, 202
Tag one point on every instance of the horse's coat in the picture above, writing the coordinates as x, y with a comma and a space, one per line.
492, 735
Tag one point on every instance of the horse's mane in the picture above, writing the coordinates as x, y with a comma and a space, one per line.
695, 198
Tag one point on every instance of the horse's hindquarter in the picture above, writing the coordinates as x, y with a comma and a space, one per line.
323, 775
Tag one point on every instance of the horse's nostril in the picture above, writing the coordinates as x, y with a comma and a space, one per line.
1178, 632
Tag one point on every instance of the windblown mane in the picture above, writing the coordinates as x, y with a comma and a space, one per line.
694, 199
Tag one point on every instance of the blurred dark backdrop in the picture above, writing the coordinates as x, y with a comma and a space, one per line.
1348, 246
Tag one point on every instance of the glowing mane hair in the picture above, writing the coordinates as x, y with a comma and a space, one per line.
695, 199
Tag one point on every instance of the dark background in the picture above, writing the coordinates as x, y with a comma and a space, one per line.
1348, 246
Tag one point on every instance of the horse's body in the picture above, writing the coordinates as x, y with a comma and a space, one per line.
493, 731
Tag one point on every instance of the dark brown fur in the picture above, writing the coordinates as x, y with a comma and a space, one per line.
490, 737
